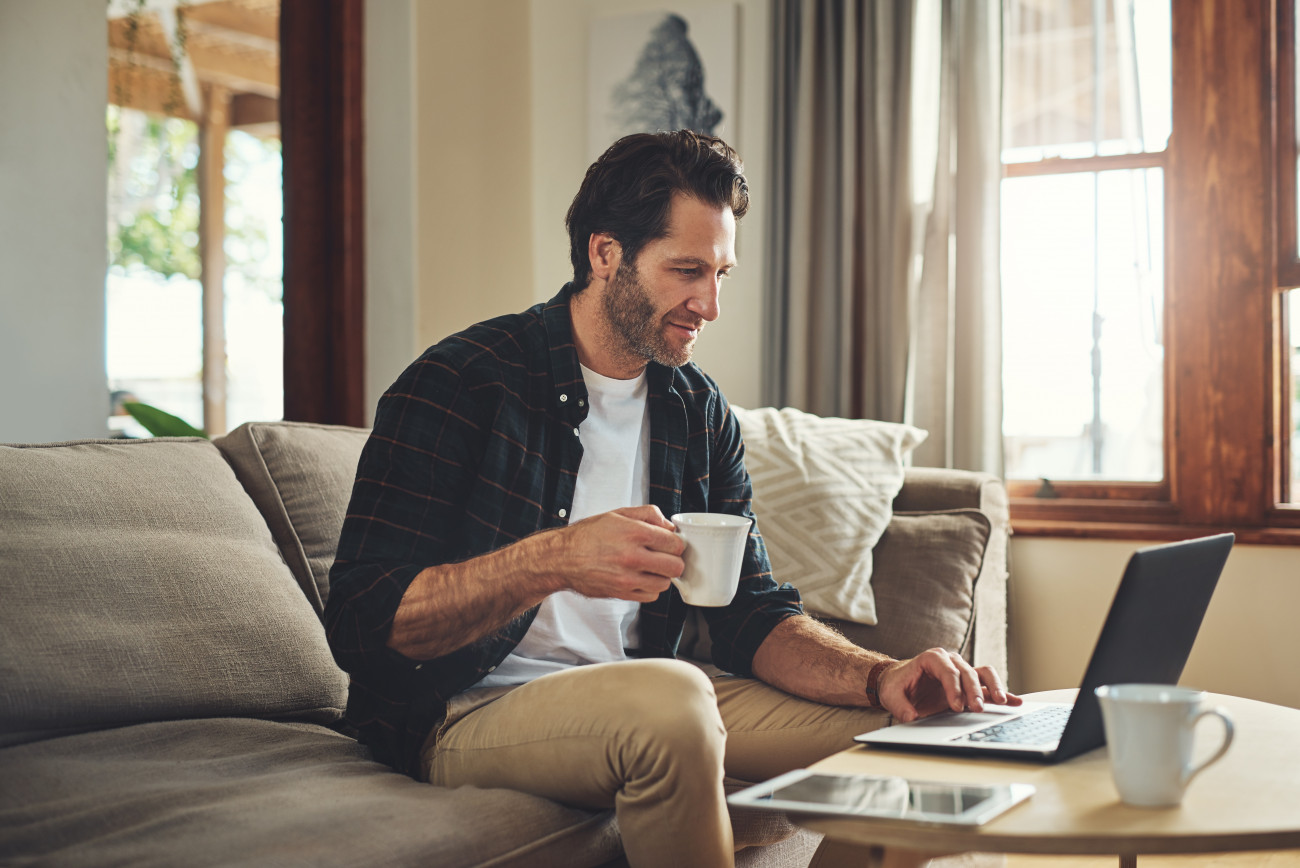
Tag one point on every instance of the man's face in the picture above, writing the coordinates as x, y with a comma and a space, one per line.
657, 304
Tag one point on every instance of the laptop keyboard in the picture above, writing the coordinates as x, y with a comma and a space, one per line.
1038, 727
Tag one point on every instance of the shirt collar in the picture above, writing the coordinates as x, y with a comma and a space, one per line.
566, 372
566, 375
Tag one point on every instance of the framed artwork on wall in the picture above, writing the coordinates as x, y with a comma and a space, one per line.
664, 70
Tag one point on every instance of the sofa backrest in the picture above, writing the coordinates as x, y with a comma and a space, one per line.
139, 582
300, 475
928, 562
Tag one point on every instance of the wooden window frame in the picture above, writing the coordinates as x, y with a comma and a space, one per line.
323, 129
1288, 274
1226, 449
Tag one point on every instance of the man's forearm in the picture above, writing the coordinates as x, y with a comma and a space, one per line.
626, 554
450, 606
808, 659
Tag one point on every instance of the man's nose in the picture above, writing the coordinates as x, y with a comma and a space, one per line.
704, 303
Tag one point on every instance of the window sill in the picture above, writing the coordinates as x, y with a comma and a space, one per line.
1143, 531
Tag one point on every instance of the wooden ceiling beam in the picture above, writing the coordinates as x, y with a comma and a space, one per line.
239, 19
147, 89
148, 39
174, 30
241, 73
254, 42
249, 29
121, 58
249, 65
151, 89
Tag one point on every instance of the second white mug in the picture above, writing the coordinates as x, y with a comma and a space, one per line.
1150, 731
715, 549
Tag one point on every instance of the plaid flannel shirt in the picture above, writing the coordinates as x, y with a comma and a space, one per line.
477, 445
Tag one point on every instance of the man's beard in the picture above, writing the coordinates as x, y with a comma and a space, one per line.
632, 316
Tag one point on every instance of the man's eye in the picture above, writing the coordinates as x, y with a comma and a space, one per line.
691, 272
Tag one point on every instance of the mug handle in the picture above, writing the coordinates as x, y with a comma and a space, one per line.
1228, 732
677, 580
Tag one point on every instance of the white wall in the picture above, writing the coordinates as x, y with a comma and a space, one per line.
1249, 644
392, 213
53, 230
474, 184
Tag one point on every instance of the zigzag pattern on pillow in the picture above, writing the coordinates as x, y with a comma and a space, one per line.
823, 494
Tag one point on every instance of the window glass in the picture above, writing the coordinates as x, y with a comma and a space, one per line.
1085, 78
154, 297
254, 286
1083, 350
154, 320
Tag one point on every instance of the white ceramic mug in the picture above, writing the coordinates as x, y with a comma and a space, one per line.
1150, 730
715, 549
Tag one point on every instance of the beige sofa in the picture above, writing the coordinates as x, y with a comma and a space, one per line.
167, 696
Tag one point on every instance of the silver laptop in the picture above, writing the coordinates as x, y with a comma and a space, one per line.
1147, 637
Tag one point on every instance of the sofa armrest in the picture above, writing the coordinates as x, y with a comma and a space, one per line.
926, 489
932, 489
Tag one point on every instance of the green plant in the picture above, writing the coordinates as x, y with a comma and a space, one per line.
160, 423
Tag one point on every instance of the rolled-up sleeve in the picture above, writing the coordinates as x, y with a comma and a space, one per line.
406, 507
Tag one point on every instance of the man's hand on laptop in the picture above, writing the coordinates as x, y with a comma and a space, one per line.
938, 680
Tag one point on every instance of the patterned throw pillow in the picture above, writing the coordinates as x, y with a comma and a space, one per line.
823, 494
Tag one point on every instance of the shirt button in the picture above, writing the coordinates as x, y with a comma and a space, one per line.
491, 669
563, 398
562, 513
575, 432
581, 403
419, 666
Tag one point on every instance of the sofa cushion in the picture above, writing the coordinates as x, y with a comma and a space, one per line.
300, 476
823, 494
926, 568
253, 792
140, 583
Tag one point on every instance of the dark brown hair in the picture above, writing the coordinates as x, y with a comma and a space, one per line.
628, 191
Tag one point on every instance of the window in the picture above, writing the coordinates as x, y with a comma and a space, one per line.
194, 310
1148, 349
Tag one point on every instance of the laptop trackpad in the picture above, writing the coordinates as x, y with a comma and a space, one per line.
964, 719
946, 726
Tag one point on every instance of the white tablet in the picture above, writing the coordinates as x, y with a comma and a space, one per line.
807, 792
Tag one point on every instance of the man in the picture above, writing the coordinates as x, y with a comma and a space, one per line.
501, 596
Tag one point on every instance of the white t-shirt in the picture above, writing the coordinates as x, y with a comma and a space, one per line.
570, 629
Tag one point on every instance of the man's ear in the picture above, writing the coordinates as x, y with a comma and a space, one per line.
605, 253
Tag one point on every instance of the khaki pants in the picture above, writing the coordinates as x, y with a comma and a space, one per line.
650, 738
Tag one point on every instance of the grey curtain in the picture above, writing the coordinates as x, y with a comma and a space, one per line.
882, 299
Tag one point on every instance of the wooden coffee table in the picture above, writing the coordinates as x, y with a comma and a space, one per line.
1249, 800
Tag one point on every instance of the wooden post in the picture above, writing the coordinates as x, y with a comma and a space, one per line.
1223, 262
213, 127
322, 129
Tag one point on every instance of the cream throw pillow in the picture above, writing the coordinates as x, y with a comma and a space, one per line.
823, 495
